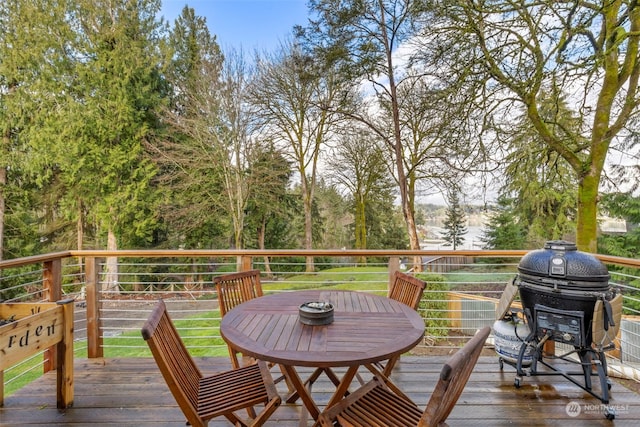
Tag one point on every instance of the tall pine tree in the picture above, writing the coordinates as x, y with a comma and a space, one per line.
455, 223
34, 65
109, 119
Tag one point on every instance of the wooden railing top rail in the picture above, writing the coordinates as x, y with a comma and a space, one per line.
160, 253
295, 252
34, 259
623, 262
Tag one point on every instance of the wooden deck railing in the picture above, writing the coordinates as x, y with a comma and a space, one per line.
107, 302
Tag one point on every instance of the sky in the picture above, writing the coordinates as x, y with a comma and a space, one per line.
250, 24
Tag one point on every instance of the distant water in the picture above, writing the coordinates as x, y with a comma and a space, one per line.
471, 239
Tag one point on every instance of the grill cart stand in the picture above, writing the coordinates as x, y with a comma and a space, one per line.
593, 362
590, 361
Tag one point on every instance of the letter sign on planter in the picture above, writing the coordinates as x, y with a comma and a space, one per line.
33, 328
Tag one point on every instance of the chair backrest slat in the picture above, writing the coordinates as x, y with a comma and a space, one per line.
407, 289
236, 288
453, 378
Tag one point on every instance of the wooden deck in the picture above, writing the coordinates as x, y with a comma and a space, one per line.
131, 392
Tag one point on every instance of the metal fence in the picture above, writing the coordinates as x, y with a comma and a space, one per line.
114, 294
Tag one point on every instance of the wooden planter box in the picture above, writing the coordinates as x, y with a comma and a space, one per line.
37, 327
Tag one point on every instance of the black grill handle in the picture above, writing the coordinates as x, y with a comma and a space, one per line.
608, 319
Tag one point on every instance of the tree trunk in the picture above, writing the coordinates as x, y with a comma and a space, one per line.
307, 196
237, 207
111, 273
3, 184
80, 226
361, 228
261, 234
308, 233
405, 197
587, 221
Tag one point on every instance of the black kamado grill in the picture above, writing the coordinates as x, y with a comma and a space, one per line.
564, 284
566, 298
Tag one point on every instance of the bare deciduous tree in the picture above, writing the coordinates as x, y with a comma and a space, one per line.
288, 94
359, 167
513, 52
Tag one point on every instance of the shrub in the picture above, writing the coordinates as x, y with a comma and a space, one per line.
434, 304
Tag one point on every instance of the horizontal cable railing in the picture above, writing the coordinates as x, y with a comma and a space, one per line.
114, 292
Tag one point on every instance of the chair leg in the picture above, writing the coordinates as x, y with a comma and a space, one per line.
293, 396
235, 363
264, 415
233, 355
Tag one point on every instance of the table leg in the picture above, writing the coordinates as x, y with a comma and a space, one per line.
390, 364
342, 389
302, 391
293, 396
332, 376
312, 378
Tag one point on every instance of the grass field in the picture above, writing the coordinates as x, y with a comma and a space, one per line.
199, 331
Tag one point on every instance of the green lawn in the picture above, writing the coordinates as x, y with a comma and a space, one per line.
348, 278
198, 332
482, 274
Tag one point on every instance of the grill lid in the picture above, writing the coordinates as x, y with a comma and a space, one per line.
561, 265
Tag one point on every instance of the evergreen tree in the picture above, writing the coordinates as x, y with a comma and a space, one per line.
385, 223
539, 179
504, 230
269, 206
189, 168
109, 115
627, 207
455, 222
35, 60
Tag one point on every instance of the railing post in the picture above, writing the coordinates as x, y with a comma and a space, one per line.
94, 302
246, 263
52, 280
64, 367
454, 309
52, 287
394, 265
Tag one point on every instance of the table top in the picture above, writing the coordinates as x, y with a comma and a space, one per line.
367, 328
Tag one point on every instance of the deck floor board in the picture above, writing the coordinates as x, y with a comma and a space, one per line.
131, 392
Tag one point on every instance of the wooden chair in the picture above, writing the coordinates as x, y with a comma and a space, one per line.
203, 398
234, 289
375, 405
407, 290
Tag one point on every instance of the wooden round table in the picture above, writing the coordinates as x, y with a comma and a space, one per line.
367, 328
